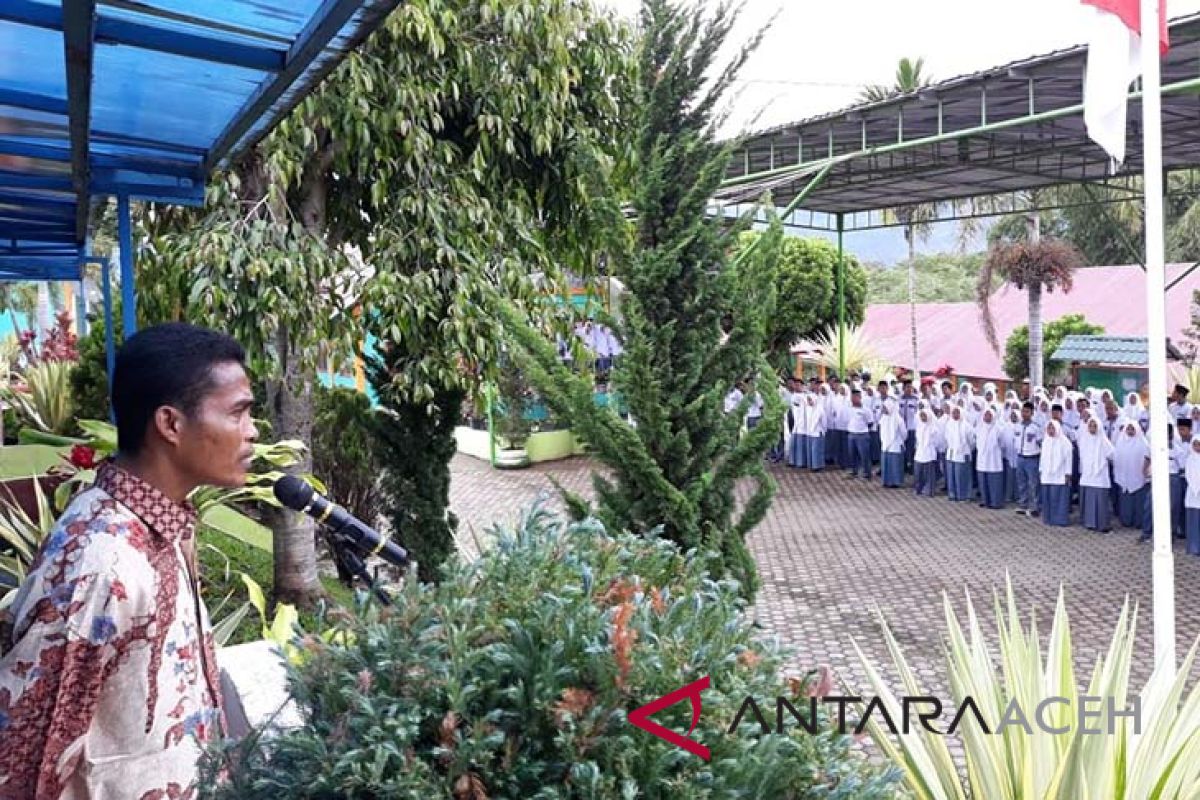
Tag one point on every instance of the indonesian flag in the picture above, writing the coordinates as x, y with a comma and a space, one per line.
1114, 62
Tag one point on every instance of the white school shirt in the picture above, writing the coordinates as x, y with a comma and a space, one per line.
1191, 498
858, 420
1180, 450
1129, 459
892, 432
756, 407
927, 440
795, 414
1177, 410
1028, 438
732, 400
814, 419
960, 439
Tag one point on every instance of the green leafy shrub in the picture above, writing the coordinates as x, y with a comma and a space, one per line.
343, 455
89, 378
414, 442
514, 676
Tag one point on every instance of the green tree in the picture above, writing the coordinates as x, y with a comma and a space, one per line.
910, 76
804, 276
462, 147
691, 323
1016, 347
941, 278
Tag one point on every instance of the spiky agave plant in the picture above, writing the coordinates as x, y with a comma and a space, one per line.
1160, 761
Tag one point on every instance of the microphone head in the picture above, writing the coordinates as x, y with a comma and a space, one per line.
293, 493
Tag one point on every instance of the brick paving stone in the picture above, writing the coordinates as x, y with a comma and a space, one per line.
833, 550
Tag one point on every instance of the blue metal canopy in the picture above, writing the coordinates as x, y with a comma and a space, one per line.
142, 99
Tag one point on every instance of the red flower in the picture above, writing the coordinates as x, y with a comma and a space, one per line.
83, 457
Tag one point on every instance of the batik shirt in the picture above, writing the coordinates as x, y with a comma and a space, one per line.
109, 684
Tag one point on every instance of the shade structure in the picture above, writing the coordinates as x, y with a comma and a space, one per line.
142, 99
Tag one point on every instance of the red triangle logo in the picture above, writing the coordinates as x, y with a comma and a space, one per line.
641, 717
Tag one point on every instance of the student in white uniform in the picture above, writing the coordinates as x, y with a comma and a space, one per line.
814, 432
925, 457
1095, 460
839, 419
734, 398
858, 429
1181, 447
989, 459
1191, 500
797, 448
1054, 472
1010, 432
892, 437
960, 440
1027, 436
781, 450
1130, 457
1179, 405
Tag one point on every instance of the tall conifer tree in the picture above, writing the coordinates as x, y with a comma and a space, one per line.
692, 322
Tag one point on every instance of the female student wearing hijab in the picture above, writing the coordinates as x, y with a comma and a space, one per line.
839, 419
797, 448
925, 457
1054, 471
989, 460
1010, 433
960, 440
1130, 456
892, 436
814, 433
1095, 455
1191, 499
941, 415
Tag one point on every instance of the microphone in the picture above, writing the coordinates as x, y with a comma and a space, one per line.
297, 495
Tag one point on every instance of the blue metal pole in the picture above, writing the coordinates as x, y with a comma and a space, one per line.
109, 347
128, 295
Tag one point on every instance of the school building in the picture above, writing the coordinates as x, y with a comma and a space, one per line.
951, 333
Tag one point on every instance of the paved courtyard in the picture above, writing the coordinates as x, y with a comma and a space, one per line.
832, 550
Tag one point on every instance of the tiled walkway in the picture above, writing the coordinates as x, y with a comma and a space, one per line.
832, 550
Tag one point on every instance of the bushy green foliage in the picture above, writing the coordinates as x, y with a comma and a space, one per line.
89, 378
1016, 347
691, 321
413, 444
344, 454
941, 278
513, 679
804, 275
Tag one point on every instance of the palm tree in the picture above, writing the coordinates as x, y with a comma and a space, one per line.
909, 78
1033, 265
915, 219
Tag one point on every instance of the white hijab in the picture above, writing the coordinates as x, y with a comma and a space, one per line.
1056, 454
988, 442
958, 435
1129, 455
891, 426
1095, 450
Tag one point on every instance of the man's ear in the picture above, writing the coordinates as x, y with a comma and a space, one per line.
168, 423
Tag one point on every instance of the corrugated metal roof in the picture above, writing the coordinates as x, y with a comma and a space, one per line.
100, 97
1010, 128
1127, 351
951, 333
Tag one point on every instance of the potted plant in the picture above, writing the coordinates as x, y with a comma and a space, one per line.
512, 427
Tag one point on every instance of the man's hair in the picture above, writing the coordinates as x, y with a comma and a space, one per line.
1184, 422
854, 392
1027, 404
1181, 389
165, 365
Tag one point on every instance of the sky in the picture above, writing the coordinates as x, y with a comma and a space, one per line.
819, 54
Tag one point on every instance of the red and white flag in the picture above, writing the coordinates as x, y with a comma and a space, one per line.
1114, 62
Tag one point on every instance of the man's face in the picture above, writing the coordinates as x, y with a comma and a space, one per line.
216, 441
883, 389
946, 390
1056, 414
856, 399
1185, 433
1026, 413
1177, 396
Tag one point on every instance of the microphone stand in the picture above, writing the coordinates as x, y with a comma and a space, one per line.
349, 559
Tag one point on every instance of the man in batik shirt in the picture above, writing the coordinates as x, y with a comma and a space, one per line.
109, 684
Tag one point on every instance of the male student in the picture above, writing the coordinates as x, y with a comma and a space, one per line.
1181, 449
1179, 405
859, 419
908, 402
1027, 435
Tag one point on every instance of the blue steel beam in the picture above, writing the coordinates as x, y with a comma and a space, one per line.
324, 25
60, 152
20, 180
112, 29
78, 26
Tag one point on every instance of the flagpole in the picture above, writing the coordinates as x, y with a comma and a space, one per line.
1163, 564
